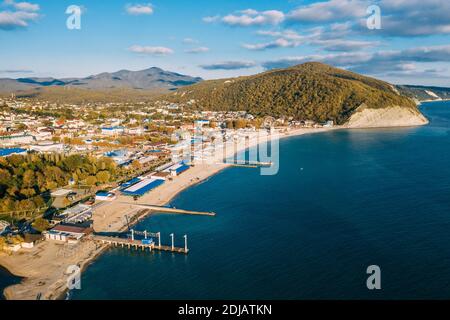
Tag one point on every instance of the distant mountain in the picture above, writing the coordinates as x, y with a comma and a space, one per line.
422, 93
152, 78
310, 91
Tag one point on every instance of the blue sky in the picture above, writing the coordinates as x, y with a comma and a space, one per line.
223, 38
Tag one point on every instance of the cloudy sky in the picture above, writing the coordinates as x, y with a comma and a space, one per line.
222, 38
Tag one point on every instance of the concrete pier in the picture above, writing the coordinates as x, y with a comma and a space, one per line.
170, 210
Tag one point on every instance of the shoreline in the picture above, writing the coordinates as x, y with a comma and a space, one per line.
435, 100
7, 273
27, 264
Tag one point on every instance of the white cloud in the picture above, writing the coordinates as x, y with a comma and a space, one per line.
197, 50
189, 41
19, 19
17, 71
139, 9
211, 19
250, 12
380, 63
160, 51
253, 18
278, 43
229, 65
329, 11
328, 39
415, 17
344, 45
399, 17
22, 6
249, 17
286, 34
19, 15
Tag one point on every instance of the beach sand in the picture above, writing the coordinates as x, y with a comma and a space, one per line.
43, 268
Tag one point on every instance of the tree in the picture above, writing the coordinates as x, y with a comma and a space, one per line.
28, 179
103, 176
2, 243
91, 181
21, 126
213, 124
136, 165
239, 123
16, 239
40, 225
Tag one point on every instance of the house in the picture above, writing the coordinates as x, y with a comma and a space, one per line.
144, 186
14, 247
16, 139
177, 169
61, 192
47, 147
119, 156
161, 175
67, 233
4, 226
29, 240
329, 124
111, 131
147, 159
77, 214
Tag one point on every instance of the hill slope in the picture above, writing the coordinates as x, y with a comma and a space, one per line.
311, 91
152, 78
425, 93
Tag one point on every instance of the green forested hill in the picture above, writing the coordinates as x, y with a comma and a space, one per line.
311, 91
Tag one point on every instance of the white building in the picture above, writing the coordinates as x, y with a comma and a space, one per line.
111, 131
16, 139
47, 147
67, 233
105, 196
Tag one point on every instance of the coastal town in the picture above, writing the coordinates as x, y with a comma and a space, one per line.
72, 172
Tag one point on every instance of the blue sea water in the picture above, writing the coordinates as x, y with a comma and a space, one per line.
6, 279
342, 201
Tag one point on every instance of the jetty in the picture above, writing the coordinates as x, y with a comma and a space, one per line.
170, 210
145, 244
247, 164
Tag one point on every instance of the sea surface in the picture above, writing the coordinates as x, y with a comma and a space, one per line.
342, 201
6, 279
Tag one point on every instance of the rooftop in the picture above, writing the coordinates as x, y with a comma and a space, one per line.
71, 229
8, 152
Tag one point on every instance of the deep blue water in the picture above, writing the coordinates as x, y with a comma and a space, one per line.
341, 201
6, 279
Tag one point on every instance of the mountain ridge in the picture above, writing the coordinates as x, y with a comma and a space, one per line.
425, 93
151, 78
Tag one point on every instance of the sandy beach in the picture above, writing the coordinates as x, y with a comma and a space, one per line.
43, 268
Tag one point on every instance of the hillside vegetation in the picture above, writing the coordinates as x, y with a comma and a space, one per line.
25, 181
311, 91
79, 96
